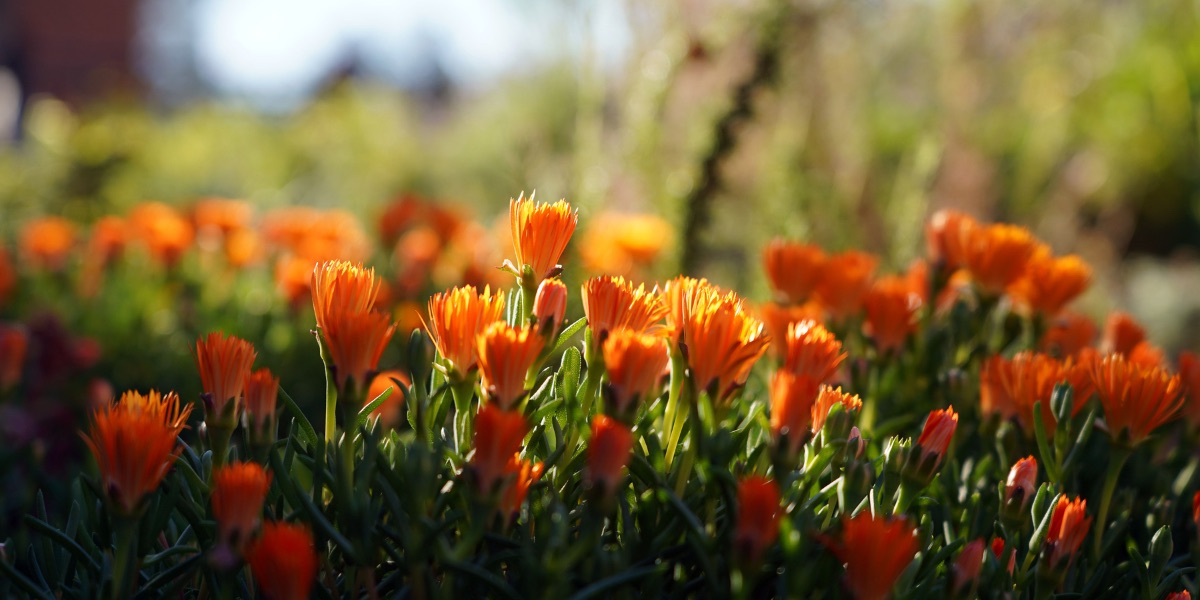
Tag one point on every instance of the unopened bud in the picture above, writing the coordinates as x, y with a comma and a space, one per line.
550, 306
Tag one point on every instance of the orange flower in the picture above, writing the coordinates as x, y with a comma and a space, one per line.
498, 436
220, 216
891, 307
1069, 526
1049, 283
608, 452
844, 283
634, 362
875, 551
623, 244
134, 444
1033, 377
13, 344
946, 237
238, 493
1189, 374
965, 572
456, 318
794, 269
223, 363
46, 242
284, 561
524, 473
812, 351
550, 306
540, 233
777, 318
997, 255
109, 236
293, 277
998, 552
758, 517
1067, 334
1196, 509
611, 303
344, 296
1121, 333
242, 247
684, 296
723, 342
995, 379
792, 399
826, 401
1147, 355
162, 230
399, 214
505, 356
1022, 482
939, 430
1180, 595
262, 389
389, 411
1136, 399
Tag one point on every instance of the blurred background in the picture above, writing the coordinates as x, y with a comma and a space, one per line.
240, 140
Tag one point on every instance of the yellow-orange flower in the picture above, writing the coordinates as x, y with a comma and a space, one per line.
506, 354
13, 344
389, 412
540, 233
524, 473
342, 287
946, 237
777, 318
456, 318
875, 551
1136, 399
134, 444
623, 244
1121, 333
239, 490
995, 379
723, 342
758, 516
607, 454
344, 297
792, 399
47, 242
997, 255
684, 296
162, 230
284, 561
844, 283
794, 269
498, 436
1069, 526
611, 302
826, 401
891, 306
813, 351
224, 362
1049, 282
635, 363
1067, 334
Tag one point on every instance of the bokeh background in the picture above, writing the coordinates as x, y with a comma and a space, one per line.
688, 134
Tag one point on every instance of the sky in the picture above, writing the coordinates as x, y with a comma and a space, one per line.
276, 50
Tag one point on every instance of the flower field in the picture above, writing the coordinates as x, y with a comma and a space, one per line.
954, 430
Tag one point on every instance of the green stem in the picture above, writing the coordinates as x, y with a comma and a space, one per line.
590, 384
463, 393
904, 498
529, 285
1120, 454
685, 468
672, 419
125, 557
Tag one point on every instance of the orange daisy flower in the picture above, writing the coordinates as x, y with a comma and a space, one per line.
1033, 377
46, 243
223, 362
611, 302
758, 516
540, 233
390, 411
685, 296
623, 244
524, 474
1067, 334
498, 437
946, 237
812, 351
550, 306
221, 216
635, 363
398, 215
342, 287
1069, 526
844, 283
939, 431
262, 390
13, 344
134, 444
506, 354
284, 561
1049, 282
162, 230
1121, 333
1147, 355
607, 454
1189, 375
1136, 399
344, 297
792, 399
891, 307
109, 236
826, 401
997, 255
777, 318
794, 269
995, 379
238, 493
875, 551
723, 342
456, 318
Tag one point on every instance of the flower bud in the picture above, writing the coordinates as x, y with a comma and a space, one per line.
965, 572
931, 447
758, 518
998, 551
607, 454
1019, 491
550, 306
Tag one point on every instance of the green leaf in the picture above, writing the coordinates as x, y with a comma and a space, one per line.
170, 575
61, 539
307, 433
23, 582
370, 407
568, 333
491, 579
